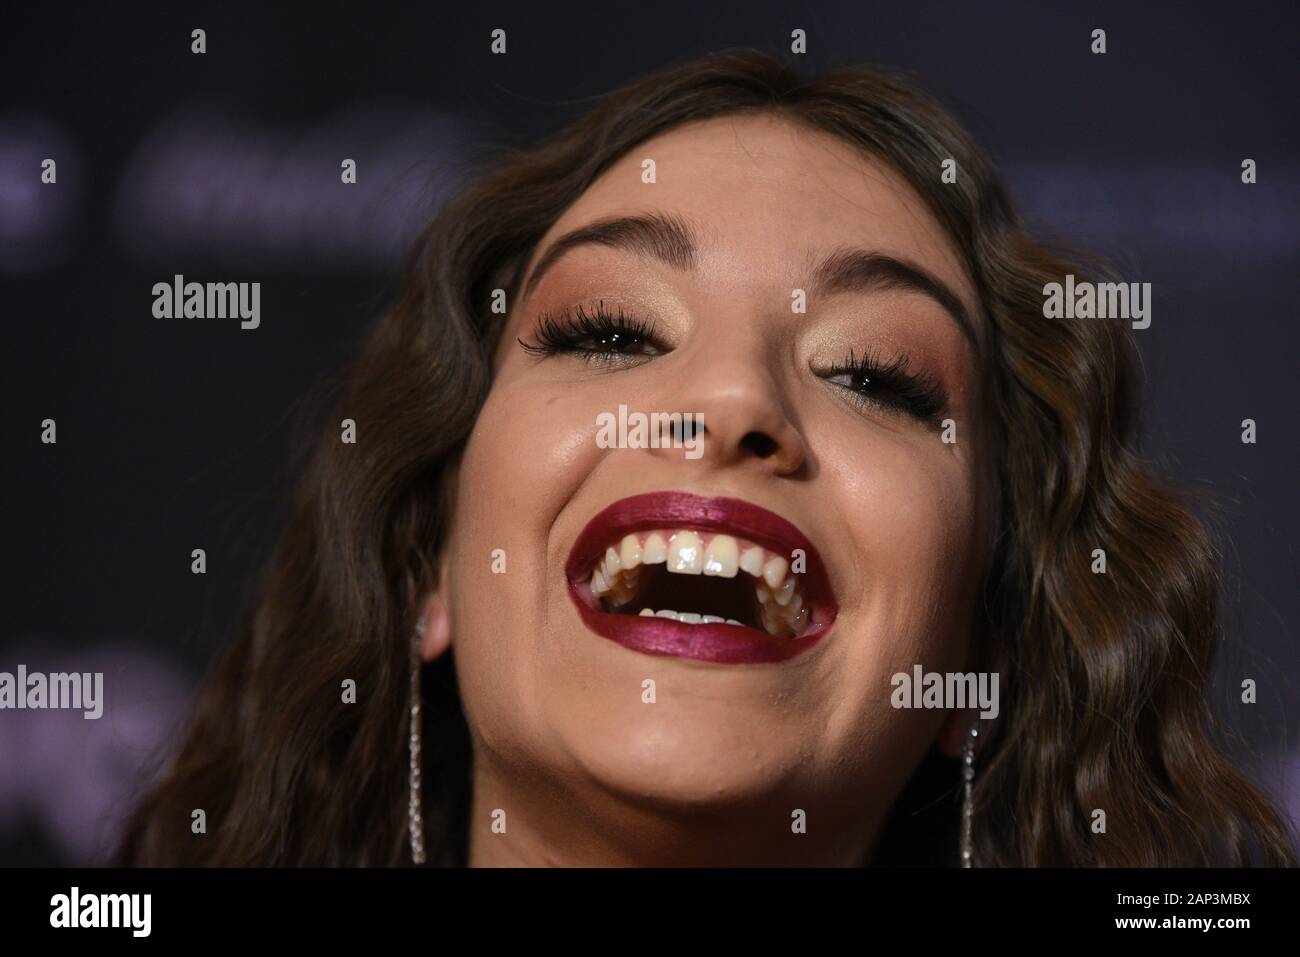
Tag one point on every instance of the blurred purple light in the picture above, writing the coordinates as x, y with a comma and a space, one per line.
209, 183
36, 219
74, 778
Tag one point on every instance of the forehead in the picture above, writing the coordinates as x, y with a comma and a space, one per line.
769, 195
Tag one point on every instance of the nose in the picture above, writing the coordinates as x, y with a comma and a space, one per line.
737, 411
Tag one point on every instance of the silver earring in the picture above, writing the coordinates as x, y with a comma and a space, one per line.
968, 780
416, 810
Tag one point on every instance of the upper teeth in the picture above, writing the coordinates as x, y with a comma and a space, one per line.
684, 552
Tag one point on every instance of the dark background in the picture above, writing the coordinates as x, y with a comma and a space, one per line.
172, 434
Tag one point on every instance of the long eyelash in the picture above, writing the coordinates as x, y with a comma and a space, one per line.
918, 393
567, 332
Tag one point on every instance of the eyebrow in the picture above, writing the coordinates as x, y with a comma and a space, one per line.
672, 240
855, 270
666, 238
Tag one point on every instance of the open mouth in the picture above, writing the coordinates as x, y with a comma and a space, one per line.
717, 579
652, 570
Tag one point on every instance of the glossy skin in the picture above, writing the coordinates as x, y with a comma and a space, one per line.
711, 772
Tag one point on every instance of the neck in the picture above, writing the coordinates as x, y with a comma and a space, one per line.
523, 818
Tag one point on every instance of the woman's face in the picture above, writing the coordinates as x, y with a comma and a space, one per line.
604, 728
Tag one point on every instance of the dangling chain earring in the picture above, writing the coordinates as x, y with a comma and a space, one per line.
968, 780
416, 812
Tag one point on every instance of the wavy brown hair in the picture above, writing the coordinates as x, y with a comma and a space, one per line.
1105, 677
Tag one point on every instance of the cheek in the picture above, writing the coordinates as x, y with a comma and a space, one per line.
907, 516
527, 454
909, 513
525, 458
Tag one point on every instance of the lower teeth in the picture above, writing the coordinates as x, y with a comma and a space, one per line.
690, 617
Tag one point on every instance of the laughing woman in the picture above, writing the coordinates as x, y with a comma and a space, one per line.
884, 459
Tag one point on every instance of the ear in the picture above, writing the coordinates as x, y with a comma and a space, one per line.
435, 621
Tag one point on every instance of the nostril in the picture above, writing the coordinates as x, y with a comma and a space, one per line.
759, 443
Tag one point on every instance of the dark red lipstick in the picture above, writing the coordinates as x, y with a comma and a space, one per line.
721, 643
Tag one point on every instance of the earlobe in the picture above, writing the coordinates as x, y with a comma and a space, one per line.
955, 730
436, 626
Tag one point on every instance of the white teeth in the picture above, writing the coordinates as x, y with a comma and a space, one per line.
782, 594
615, 577
721, 557
685, 554
780, 608
629, 552
774, 570
655, 550
751, 561
689, 617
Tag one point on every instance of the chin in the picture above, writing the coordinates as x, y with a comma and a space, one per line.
688, 762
